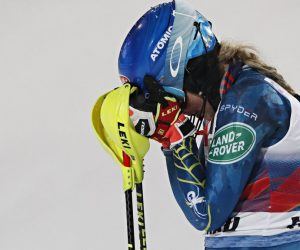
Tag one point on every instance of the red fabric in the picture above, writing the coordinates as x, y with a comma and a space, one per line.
253, 190
126, 160
287, 196
165, 119
173, 134
204, 132
283, 199
130, 112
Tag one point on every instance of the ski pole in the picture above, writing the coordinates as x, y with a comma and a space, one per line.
129, 216
110, 118
141, 216
129, 210
140, 212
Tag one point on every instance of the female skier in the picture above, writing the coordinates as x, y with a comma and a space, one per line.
242, 184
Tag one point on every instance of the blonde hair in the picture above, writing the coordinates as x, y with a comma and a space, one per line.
231, 52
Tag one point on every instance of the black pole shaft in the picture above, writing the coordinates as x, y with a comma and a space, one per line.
130, 225
141, 216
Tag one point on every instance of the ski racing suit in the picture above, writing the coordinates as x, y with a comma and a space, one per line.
242, 186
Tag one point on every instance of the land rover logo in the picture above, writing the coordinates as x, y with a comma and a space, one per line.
231, 143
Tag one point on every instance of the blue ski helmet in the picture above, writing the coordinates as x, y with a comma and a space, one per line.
162, 42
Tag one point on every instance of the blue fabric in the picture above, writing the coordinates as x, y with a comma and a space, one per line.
185, 179
287, 246
258, 241
209, 194
273, 112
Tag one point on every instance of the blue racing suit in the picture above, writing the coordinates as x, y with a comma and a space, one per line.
245, 190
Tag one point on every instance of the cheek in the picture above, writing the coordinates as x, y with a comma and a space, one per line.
193, 106
209, 111
188, 111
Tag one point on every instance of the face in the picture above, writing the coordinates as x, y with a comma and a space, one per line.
194, 105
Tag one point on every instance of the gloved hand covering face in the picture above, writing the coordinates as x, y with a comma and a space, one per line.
177, 132
156, 114
143, 121
153, 112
